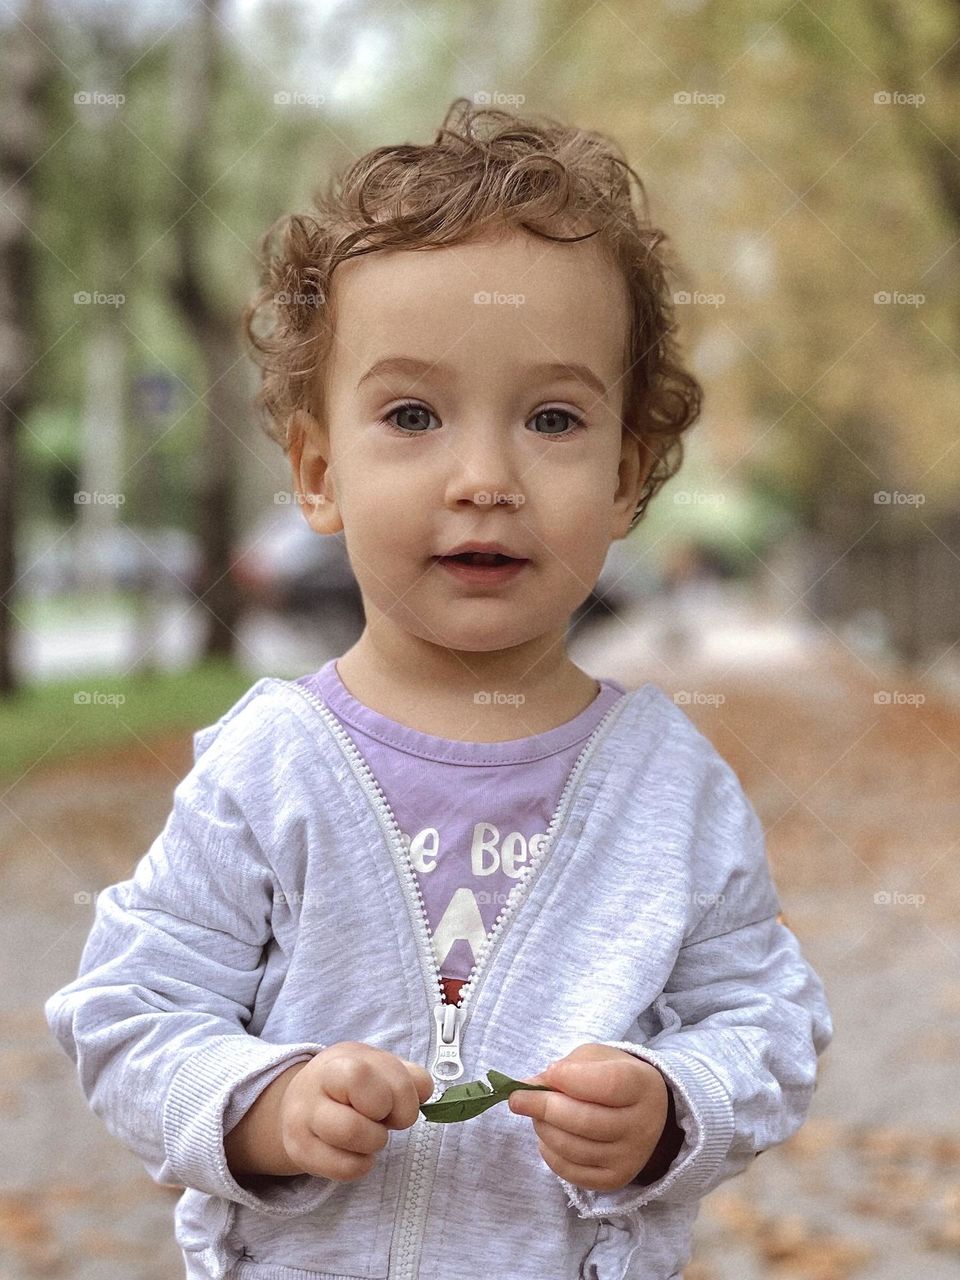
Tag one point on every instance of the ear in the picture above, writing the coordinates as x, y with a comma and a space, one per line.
309, 453
636, 463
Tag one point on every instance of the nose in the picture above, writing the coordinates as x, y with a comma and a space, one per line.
483, 469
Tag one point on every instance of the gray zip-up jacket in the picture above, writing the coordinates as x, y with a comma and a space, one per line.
277, 913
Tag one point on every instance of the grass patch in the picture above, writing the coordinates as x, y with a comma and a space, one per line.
67, 606
60, 718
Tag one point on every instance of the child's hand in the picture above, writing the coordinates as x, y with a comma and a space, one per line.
604, 1122
336, 1111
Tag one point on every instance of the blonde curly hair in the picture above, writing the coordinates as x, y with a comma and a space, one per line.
486, 169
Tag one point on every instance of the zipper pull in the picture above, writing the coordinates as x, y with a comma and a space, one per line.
447, 1064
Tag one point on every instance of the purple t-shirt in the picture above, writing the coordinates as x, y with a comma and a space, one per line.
472, 814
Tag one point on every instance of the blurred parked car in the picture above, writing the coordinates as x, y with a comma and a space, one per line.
626, 580
283, 565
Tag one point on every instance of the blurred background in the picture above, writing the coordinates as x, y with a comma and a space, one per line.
796, 587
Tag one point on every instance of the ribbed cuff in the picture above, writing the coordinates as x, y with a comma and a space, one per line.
193, 1116
704, 1112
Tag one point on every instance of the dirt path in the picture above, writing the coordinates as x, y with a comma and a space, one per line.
858, 798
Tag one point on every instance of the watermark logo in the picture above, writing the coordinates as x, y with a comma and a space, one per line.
94, 498
486, 498
486, 698
299, 898
698, 698
698, 497
96, 299
897, 298
684, 298
492, 897
294, 98
94, 698
894, 698
707, 899
494, 98
884, 498
694, 98
892, 898
485, 298
283, 498
895, 98
286, 299
94, 98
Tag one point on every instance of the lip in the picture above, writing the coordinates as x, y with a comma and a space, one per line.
491, 548
485, 575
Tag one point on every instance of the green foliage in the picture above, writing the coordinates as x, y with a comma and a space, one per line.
798, 198
44, 722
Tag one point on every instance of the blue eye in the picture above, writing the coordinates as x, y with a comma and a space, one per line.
411, 407
561, 413
414, 407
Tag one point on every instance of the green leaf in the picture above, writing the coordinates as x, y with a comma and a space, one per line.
464, 1101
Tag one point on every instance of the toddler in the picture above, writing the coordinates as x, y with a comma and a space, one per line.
450, 849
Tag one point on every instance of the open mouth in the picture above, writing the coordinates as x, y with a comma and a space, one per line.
482, 567
481, 558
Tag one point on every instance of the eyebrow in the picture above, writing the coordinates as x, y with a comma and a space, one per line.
558, 370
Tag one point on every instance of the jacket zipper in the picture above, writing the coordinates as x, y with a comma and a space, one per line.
449, 1019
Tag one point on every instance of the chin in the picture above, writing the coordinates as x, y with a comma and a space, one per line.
476, 639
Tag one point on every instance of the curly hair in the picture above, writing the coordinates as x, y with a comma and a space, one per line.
486, 169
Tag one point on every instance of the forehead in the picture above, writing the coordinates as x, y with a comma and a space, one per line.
510, 299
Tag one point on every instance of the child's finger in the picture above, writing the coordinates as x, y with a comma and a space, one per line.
518, 1100
421, 1078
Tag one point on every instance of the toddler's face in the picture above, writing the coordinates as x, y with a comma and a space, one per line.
486, 445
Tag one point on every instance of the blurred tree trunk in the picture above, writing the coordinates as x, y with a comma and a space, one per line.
213, 332
105, 357
24, 72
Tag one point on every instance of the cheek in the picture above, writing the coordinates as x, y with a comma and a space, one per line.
373, 499
575, 530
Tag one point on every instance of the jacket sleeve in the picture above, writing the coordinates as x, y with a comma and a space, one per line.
155, 1019
744, 1019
